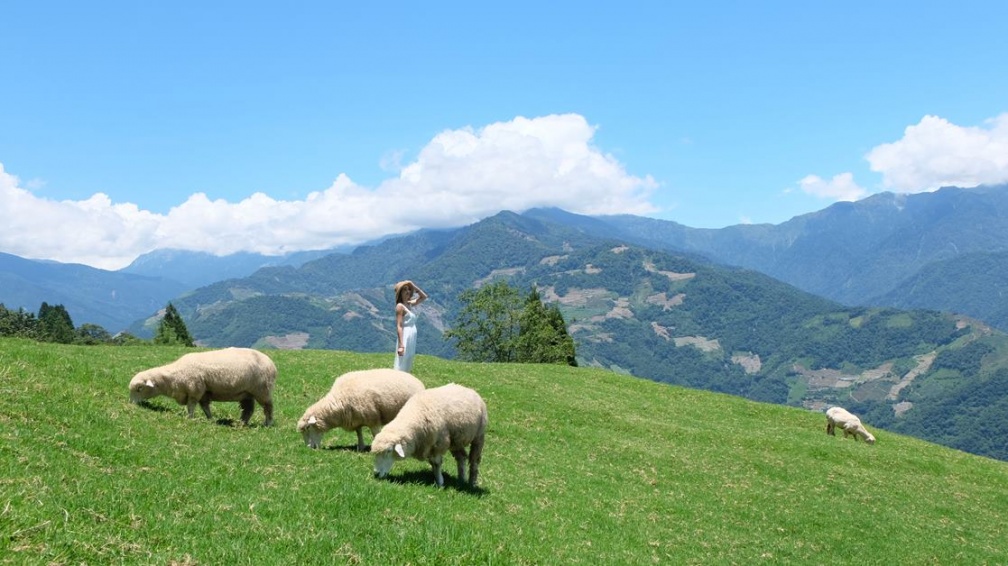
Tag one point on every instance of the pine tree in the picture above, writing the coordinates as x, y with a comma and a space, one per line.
543, 338
55, 323
172, 329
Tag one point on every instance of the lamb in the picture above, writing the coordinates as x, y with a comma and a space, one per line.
850, 424
231, 374
357, 399
435, 421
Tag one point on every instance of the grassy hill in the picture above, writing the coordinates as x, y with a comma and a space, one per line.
582, 466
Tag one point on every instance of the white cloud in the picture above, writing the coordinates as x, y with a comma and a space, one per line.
459, 177
840, 187
935, 153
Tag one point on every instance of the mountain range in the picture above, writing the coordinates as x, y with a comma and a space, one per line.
732, 310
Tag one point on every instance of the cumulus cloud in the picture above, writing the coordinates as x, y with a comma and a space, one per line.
840, 187
935, 153
459, 177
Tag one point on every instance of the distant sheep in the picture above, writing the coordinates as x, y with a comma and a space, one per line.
450, 418
232, 374
850, 424
358, 399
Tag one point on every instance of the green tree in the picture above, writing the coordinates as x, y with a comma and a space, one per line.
172, 329
20, 323
486, 328
56, 325
542, 335
92, 334
495, 324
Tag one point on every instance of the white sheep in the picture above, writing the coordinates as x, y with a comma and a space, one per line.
358, 399
850, 424
232, 374
449, 418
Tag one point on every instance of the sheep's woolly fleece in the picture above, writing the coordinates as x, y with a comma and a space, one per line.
450, 418
231, 374
357, 399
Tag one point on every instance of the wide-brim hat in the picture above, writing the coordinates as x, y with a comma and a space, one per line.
400, 285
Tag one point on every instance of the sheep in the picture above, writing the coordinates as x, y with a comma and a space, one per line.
850, 424
357, 399
435, 421
231, 374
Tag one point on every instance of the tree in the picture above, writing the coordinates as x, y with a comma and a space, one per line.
20, 323
487, 325
543, 336
172, 329
496, 325
93, 334
56, 325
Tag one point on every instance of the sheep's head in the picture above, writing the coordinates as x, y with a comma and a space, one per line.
869, 438
142, 388
385, 457
311, 429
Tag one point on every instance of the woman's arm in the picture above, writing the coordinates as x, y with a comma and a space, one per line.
421, 296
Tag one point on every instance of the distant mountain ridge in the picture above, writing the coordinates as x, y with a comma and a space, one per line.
196, 269
856, 253
109, 299
877, 251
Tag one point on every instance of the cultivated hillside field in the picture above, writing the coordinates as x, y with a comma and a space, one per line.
581, 466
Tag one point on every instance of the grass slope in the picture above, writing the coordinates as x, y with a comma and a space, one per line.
581, 466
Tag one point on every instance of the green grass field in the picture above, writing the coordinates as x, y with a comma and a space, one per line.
581, 466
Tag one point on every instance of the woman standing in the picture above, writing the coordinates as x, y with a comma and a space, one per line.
407, 296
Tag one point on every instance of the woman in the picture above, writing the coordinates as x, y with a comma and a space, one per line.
407, 296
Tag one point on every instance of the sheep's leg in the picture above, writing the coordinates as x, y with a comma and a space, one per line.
247, 406
475, 456
460, 462
829, 428
191, 408
268, 412
435, 462
360, 438
204, 404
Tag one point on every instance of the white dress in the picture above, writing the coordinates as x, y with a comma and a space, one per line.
409, 331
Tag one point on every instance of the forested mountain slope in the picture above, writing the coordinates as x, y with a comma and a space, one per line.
653, 314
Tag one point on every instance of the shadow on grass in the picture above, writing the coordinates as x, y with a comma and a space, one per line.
426, 477
222, 421
152, 407
236, 423
348, 448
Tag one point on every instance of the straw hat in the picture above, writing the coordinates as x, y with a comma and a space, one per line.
399, 286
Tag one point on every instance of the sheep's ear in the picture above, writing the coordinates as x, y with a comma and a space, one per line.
399, 450
312, 420
149, 383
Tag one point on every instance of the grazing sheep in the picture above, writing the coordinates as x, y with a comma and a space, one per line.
449, 418
358, 399
232, 374
850, 424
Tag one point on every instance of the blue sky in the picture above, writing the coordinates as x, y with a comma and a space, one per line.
269, 127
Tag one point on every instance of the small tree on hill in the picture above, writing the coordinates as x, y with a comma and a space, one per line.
20, 323
543, 336
55, 323
496, 325
487, 325
172, 329
92, 334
